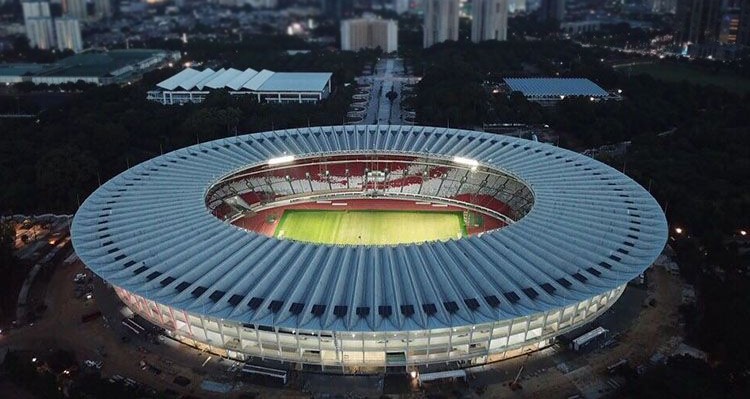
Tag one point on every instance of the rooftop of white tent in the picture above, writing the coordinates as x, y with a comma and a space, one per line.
249, 79
536, 87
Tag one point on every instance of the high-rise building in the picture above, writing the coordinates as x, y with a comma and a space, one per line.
552, 10
35, 9
698, 21
257, 3
662, 6
489, 20
38, 21
729, 25
371, 33
440, 21
743, 33
336, 9
68, 32
39, 31
515, 6
400, 6
75, 9
103, 8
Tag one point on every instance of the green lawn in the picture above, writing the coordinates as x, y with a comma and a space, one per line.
369, 227
675, 72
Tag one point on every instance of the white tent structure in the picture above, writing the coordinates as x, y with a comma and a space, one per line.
548, 91
192, 86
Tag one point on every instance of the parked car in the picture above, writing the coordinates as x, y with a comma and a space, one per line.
93, 364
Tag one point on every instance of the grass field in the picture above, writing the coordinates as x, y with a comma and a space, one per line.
369, 227
675, 72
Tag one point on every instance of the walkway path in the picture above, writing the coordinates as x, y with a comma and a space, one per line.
388, 75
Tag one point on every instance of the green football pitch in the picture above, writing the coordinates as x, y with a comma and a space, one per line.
369, 227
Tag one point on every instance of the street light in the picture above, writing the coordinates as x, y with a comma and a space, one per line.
743, 232
678, 230
413, 374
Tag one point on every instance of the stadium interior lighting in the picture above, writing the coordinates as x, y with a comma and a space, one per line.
466, 161
280, 160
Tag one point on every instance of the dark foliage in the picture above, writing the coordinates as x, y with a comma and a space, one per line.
53, 163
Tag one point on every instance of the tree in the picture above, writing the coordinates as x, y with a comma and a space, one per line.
391, 95
64, 176
7, 244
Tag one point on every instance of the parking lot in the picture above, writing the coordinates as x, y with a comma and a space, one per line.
127, 358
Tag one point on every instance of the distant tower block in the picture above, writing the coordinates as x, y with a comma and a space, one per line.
440, 21
68, 32
369, 33
489, 20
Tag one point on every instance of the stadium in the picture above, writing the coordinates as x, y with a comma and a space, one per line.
362, 247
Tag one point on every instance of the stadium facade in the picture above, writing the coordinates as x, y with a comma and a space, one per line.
165, 235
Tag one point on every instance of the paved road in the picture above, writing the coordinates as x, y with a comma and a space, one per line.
388, 75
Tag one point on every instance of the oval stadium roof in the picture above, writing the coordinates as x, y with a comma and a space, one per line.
148, 231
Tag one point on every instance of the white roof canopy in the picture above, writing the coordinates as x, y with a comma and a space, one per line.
249, 79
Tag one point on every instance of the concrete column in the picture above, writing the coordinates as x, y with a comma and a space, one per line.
189, 324
278, 341
526, 331
205, 331
260, 344
221, 333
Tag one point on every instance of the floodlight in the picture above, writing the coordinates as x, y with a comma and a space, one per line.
280, 160
466, 161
